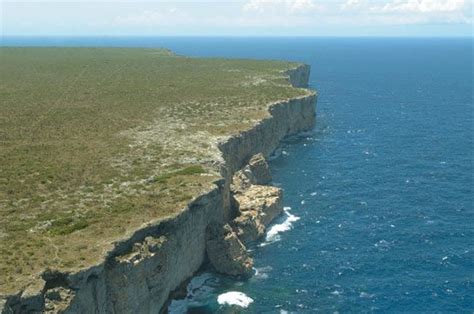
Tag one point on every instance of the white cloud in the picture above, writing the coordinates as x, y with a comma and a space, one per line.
405, 12
353, 4
280, 6
171, 16
422, 6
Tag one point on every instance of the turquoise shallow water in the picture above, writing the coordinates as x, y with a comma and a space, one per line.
383, 187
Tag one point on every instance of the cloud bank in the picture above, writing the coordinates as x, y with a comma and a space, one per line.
308, 12
254, 17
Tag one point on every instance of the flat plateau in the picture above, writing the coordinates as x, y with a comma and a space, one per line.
96, 143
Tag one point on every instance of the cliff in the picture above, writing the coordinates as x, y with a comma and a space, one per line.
138, 275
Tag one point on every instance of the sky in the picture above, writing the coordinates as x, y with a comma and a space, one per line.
400, 18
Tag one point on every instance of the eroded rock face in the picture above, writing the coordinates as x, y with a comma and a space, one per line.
257, 172
249, 227
262, 199
261, 171
33, 297
299, 77
258, 206
225, 251
57, 300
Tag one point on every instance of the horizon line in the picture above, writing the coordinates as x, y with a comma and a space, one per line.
226, 36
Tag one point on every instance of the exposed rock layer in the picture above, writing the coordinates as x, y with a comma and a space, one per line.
141, 271
226, 252
258, 206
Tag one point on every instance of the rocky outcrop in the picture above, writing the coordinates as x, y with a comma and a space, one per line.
266, 201
257, 204
258, 207
58, 299
225, 251
256, 172
138, 275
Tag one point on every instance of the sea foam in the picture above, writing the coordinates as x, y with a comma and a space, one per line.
234, 298
273, 234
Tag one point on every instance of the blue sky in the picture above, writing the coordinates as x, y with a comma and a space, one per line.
238, 18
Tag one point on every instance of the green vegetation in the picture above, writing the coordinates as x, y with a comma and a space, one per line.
183, 172
94, 142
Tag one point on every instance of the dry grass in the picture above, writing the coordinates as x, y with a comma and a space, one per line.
94, 142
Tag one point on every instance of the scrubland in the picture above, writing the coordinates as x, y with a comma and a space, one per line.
95, 142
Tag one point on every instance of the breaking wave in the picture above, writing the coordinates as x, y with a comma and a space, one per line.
273, 234
234, 298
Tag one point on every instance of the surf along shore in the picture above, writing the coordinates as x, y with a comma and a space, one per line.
123, 170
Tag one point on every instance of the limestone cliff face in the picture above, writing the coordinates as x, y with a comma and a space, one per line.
226, 252
299, 76
287, 117
139, 274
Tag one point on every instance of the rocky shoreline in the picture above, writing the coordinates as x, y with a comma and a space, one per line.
139, 274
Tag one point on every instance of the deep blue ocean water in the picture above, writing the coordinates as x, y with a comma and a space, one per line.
381, 192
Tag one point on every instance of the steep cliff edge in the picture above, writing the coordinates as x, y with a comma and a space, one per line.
140, 272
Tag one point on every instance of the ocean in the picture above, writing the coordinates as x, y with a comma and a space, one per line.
379, 196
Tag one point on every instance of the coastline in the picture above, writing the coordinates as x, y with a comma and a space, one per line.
141, 271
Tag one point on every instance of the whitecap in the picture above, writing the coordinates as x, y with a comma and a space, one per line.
365, 295
262, 272
261, 276
234, 298
382, 243
273, 234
